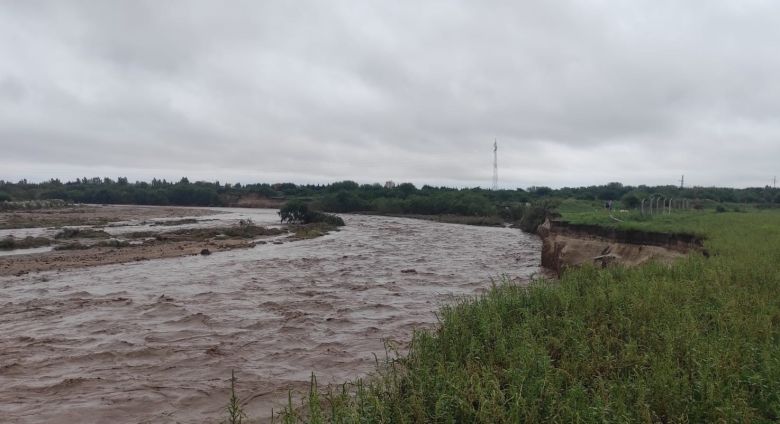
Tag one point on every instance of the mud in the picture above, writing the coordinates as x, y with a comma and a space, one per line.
90, 215
153, 235
155, 341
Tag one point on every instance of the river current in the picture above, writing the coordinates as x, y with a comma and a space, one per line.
156, 341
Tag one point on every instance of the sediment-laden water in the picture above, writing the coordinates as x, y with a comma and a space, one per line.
155, 341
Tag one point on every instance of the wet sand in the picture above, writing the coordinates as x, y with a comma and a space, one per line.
42, 260
165, 235
91, 215
155, 341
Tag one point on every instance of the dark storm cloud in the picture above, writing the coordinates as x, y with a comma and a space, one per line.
577, 92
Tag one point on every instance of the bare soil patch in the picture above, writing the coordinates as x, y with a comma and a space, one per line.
82, 247
91, 215
91, 246
100, 255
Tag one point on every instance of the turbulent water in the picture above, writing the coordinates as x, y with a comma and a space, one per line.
155, 341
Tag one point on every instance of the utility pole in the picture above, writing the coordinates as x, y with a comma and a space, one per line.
682, 182
774, 182
495, 164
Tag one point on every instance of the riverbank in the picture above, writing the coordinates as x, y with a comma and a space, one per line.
694, 341
92, 215
89, 235
566, 245
483, 221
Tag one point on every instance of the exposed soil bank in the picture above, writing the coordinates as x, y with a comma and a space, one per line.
565, 245
256, 201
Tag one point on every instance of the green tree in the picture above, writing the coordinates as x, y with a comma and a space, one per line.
630, 201
294, 212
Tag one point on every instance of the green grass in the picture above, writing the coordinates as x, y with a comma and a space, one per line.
699, 222
695, 342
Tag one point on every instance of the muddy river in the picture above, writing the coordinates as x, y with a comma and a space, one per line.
155, 341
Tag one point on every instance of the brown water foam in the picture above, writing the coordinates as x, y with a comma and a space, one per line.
155, 341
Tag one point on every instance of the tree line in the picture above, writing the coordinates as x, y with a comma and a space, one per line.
349, 196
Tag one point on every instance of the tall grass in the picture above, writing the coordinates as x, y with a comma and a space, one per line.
695, 342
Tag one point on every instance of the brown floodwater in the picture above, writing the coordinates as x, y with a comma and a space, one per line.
155, 341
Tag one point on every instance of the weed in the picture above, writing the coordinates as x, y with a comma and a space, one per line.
235, 413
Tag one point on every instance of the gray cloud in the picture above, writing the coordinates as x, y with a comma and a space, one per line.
576, 92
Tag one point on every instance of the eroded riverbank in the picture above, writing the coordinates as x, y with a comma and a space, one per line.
155, 341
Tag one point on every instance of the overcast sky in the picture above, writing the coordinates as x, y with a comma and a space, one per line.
576, 92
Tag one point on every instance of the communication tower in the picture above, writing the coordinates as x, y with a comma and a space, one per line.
495, 165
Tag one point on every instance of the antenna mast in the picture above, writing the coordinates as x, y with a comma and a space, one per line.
495, 164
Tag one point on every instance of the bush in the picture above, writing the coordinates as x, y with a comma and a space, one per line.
720, 209
535, 215
11, 243
326, 218
70, 233
630, 201
297, 212
5, 197
294, 211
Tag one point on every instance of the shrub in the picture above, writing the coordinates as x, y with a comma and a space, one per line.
69, 233
11, 243
535, 215
294, 211
630, 201
326, 218
297, 212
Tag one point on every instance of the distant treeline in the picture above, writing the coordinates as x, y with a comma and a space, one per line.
349, 196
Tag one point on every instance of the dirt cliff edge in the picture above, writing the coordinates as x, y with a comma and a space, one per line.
565, 245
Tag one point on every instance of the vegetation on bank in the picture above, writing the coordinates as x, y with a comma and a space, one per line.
298, 212
524, 209
306, 223
72, 233
695, 342
349, 196
7, 205
29, 242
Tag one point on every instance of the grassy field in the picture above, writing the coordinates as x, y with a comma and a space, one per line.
695, 342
